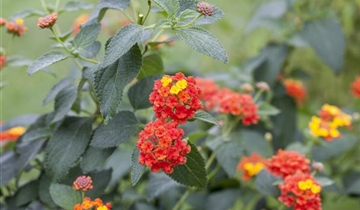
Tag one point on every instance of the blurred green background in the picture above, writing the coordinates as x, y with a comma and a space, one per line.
24, 94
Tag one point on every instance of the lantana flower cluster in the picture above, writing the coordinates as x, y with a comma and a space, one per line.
298, 189
16, 27
175, 99
330, 119
296, 90
226, 101
355, 87
12, 134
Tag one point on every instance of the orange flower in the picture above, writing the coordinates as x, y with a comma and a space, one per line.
17, 27
300, 191
47, 21
89, 204
208, 91
161, 146
251, 165
2, 61
79, 21
83, 183
286, 163
12, 134
175, 97
2, 22
296, 90
355, 87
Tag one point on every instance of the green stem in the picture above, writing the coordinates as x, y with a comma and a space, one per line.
45, 6
257, 95
213, 172
210, 161
82, 195
174, 26
182, 199
190, 23
57, 6
147, 13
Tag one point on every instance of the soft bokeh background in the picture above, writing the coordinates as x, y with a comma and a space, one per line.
24, 94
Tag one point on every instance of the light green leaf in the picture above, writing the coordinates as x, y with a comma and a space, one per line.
137, 170
16, 61
152, 64
120, 162
206, 117
57, 88
65, 196
121, 43
170, 6
158, 184
139, 93
86, 36
324, 181
76, 5
21, 120
104, 5
266, 109
121, 128
264, 183
110, 81
188, 14
95, 157
27, 13
66, 146
193, 172
46, 60
63, 102
204, 42
327, 39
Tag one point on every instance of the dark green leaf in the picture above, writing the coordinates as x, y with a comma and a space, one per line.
158, 184
206, 117
86, 36
275, 57
27, 13
46, 60
66, 146
193, 172
63, 102
16, 61
27, 193
269, 10
104, 5
204, 42
100, 180
152, 64
328, 41
266, 109
44, 191
22, 120
121, 128
64, 196
35, 134
7, 160
57, 88
221, 200
95, 157
254, 142
111, 81
170, 6
120, 162
351, 182
92, 50
122, 43
264, 183
139, 93
77, 5
137, 170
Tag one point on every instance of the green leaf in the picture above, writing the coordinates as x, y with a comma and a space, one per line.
206, 117
298, 147
139, 93
63, 102
22, 120
27, 13
94, 157
121, 128
104, 5
64, 36
121, 43
206, 20
324, 181
27, 193
16, 61
264, 183
193, 137
188, 14
46, 60
57, 88
254, 142
76, 5
158, 184
137, 170
66, 146
351, 182
204, 42
170, 6
110, 81
65, 196
268, 71
327, 39
44, 191
92, 50
86, 36
100, 180
223, 199
266, 109
120, 162
193, 172
36, 134
152, 64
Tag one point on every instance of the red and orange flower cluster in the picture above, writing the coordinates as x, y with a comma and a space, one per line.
226, 101
84, 183
17, 27
175, 99
47, 21
79, 21
296, 90
355, 87
12, 134
298, 189
330, 119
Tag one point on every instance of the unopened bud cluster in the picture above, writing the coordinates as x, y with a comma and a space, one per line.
47, 21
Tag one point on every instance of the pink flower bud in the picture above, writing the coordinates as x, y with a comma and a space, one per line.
205, 8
